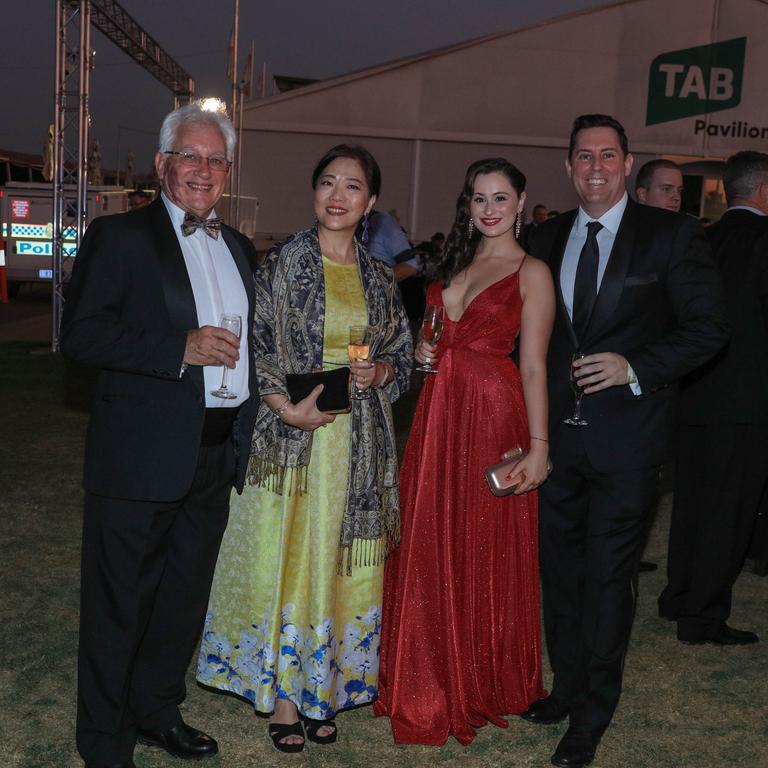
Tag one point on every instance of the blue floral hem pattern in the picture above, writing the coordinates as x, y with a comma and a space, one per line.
308, 665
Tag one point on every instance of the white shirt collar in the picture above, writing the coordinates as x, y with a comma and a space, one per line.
749, 208
611, 219
177, 214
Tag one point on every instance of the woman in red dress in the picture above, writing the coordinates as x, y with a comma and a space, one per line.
461, 641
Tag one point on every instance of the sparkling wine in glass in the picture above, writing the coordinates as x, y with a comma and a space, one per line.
359, 348
578, 393
431, 330
234, 324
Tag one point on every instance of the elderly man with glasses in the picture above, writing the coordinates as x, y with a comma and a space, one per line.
149, 292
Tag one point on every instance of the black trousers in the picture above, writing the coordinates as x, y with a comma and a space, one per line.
146, 576
721, 477
592, 529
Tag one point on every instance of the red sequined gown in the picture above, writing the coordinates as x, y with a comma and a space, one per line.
461, 639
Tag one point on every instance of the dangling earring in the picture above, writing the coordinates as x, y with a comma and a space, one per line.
364, 238
518, 225
470, 229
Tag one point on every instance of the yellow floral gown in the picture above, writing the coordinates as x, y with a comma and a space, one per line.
281, 622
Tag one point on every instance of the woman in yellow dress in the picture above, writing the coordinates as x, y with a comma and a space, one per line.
294, 618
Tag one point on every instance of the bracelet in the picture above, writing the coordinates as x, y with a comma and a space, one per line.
532, 437
385, 380
281, 409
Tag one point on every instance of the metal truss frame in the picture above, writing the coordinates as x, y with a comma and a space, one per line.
72, 117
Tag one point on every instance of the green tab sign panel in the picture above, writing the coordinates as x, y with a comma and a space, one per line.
695, 81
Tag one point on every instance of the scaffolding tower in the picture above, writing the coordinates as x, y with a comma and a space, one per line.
72, 116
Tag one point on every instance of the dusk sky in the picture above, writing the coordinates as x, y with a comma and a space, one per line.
302, 39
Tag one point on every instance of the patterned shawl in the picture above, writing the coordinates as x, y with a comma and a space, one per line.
288, 338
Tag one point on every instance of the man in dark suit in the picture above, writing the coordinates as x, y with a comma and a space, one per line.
162, 453
538, 217
659, 183
639, 297
722, 461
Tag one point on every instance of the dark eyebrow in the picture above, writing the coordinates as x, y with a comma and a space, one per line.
333, 176
602, 149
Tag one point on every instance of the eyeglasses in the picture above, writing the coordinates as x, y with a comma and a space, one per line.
215, 162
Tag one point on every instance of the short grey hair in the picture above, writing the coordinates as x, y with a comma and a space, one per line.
194, 114
743, 174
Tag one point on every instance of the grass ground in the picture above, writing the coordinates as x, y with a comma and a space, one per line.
683, 706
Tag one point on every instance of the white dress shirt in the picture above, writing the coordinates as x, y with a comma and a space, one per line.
218, 288
610, 220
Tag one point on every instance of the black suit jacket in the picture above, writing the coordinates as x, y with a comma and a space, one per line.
128, 308
732, 388
660, 306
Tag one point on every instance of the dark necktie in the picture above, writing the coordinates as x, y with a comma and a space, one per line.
211, 227
585, 285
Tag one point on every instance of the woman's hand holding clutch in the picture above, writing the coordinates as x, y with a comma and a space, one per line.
304, 414
533, 469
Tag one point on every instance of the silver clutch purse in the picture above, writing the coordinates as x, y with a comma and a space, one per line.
498, 476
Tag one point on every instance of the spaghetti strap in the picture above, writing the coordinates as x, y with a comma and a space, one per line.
520, 266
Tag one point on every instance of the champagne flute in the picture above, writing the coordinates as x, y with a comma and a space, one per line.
578, 392
234, 324
359, 348
431, 330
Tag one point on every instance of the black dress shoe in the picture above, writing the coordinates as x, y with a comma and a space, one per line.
180, 741
644, 566
546, 711
575, 750
723, 635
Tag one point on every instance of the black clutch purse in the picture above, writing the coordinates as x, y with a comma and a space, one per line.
335, 395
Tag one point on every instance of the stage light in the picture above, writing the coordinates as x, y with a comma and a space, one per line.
212, 104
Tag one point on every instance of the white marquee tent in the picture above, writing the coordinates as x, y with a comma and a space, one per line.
685, 77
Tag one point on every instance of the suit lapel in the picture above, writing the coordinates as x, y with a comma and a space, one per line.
558, 252
612, 283
179, 298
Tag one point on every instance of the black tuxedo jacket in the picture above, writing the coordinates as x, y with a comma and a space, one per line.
660, 306
128, 308
732, 388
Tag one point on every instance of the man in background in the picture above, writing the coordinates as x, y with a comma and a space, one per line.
722, 464
387, 242
660, 183
538, 216
138, 199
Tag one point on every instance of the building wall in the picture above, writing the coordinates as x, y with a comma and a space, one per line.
516, 95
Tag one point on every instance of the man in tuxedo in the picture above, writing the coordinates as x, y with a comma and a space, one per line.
639, 297
660, 183
162, 453
538, 216
722, 462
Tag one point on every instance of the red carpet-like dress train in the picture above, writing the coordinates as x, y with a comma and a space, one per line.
461, 639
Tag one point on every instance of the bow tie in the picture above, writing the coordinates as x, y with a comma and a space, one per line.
211, 227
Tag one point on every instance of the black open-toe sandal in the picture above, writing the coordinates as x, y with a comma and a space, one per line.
278, 731
313, 726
